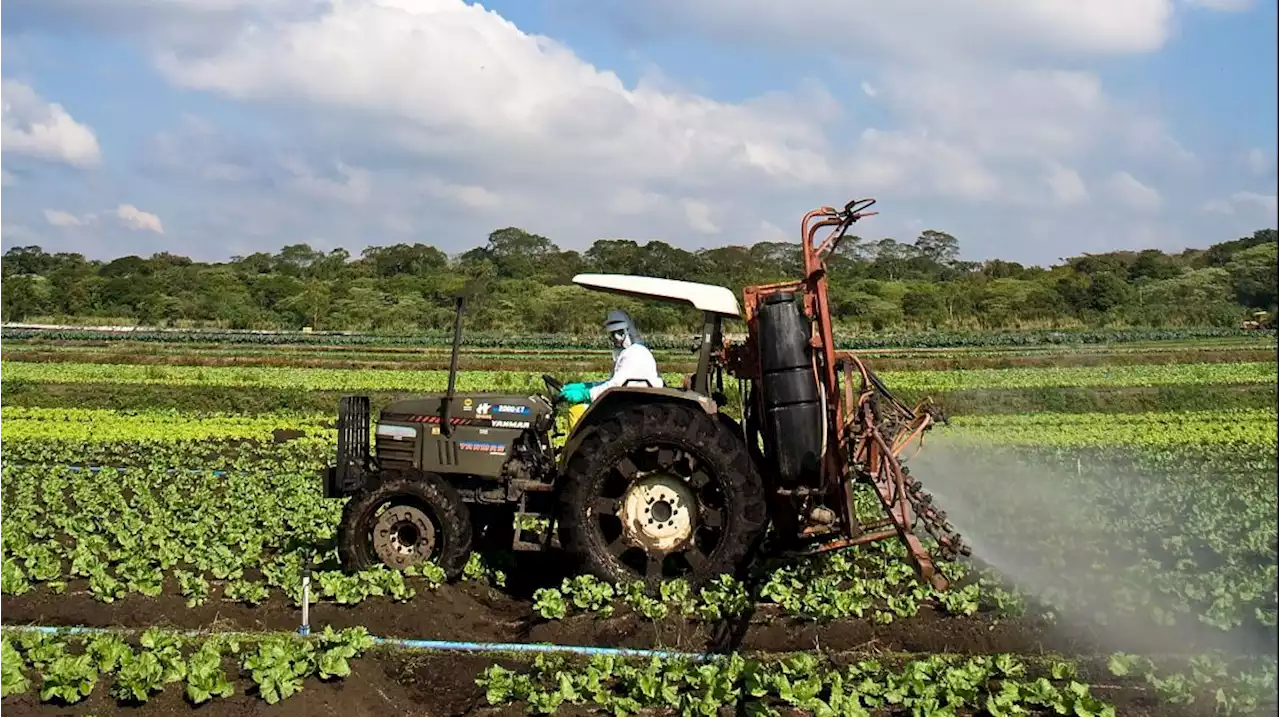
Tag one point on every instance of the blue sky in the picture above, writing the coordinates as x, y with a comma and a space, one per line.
1029, 129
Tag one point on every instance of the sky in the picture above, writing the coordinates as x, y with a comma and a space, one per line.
1031, 130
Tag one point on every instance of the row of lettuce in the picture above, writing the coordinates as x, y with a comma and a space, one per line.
134, 669
63, 432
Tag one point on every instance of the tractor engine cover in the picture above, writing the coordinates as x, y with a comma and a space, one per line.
792, 422
487, 431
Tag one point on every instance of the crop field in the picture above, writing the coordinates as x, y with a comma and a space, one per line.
1120, 497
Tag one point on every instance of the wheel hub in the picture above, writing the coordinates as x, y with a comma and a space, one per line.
403, 536
658, 513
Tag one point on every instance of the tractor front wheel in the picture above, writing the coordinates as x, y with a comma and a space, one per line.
661, 491
404, 520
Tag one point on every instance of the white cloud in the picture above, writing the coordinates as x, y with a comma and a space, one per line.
989, 134
33, 127
443, 113
453, 81
629, 200
1020, 113
1259, 161
128, 215
1067, 186
699, 215
1264, 204
135, 218
354, 187
771, 232
919, 164
919, 27
1133, 193
468, 196
869, 89
1222, 5
59, 218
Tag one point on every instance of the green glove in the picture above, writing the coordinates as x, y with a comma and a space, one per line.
576, 393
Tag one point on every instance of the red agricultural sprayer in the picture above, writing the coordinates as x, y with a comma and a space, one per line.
653, 482
829, 422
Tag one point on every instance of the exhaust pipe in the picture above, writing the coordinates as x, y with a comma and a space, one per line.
446, 407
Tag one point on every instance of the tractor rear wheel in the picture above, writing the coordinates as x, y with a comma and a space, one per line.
405, 519
661, 491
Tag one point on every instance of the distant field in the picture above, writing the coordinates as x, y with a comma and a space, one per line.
580, 360
510, 340
436, 380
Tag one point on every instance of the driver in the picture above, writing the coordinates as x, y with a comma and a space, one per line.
632, 361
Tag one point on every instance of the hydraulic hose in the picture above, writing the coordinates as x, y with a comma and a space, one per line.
822, 399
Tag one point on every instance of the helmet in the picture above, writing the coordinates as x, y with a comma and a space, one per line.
621, 329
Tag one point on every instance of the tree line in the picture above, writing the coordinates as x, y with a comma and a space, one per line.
521, 282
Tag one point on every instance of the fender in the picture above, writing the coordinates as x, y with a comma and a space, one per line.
614, 399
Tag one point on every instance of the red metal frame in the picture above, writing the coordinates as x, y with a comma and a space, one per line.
858, 448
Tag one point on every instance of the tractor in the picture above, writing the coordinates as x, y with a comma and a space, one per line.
653, 482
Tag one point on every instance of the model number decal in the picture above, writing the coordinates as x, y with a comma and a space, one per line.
485, 408
481, 447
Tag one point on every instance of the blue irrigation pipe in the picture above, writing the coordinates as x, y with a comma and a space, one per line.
432, 645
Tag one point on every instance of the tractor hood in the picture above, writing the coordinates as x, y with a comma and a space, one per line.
498, 409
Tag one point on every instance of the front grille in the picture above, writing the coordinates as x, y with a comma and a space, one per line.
391, 450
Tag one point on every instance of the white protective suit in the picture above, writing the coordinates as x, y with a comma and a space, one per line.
631, 358
633, 362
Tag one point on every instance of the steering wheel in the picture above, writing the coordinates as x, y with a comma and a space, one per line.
553, 386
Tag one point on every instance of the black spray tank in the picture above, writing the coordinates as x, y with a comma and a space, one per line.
792, 412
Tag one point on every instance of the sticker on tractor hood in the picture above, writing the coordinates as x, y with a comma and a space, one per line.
497, 423
397, 431
481, 447
485, 408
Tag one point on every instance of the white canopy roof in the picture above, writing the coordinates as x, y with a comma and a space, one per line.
704, 297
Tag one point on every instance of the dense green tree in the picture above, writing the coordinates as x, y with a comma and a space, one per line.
519, 281
1253, 275
938, 247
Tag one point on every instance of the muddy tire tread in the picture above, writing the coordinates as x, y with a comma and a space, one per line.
443, 501
745, 515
